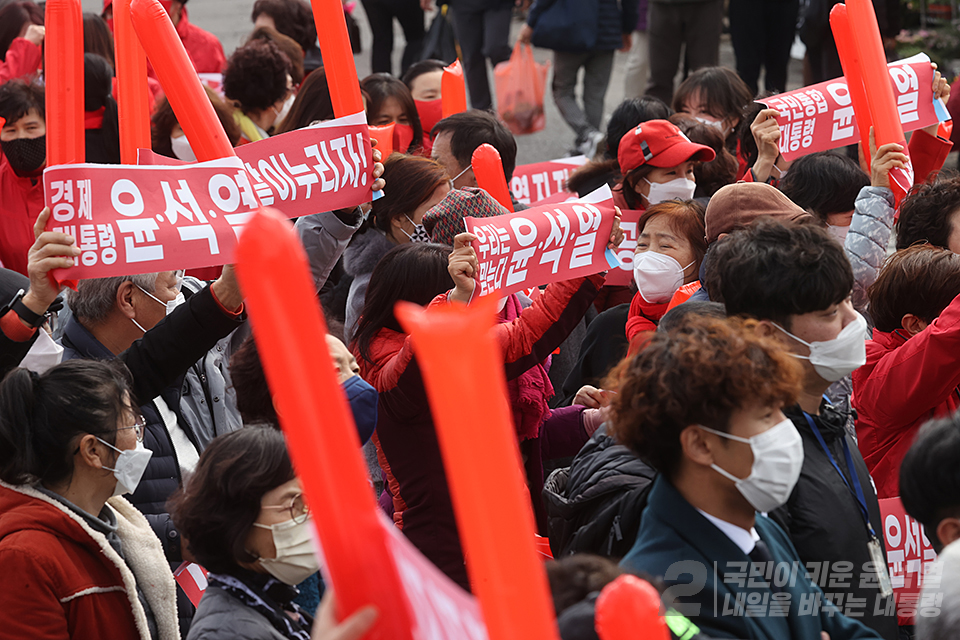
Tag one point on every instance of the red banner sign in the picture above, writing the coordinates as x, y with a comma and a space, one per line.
541, 245
909, 557
532, 183
140, 219
820, 117
192, 578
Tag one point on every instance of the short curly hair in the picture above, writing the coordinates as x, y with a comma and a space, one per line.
256, 75
926, 214
698, 374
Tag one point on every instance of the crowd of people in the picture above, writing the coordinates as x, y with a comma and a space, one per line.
786, 357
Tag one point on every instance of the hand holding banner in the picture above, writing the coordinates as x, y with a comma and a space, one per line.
463, 373
63, 75
453, 92
541, 245
488, 169
821, 117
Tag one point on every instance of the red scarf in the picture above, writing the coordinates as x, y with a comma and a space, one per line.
642, 320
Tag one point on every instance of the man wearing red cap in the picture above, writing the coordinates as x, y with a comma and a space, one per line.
203, 47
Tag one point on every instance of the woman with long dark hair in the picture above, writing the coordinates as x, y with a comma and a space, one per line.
80, 561
390, 101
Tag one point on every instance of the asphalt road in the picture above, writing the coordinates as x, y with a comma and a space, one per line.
230, 21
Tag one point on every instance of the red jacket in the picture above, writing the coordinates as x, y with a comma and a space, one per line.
21, 200
203, 48
904, 384
63, 580
405, 438
22, 60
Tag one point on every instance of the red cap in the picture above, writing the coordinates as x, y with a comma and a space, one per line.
660, 144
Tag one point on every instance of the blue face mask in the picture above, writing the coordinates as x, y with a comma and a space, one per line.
363, 403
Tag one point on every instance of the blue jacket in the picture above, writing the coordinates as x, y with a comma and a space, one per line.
699, 563
614, 18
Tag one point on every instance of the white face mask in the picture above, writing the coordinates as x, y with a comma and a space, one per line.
170, 305
777, 459
129, 467
677, 189
285, 109
182, 149
43, 354
296, 560
658, 276
838, 233
837, 358
457, 177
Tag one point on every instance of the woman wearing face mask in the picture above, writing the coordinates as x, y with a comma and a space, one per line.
390, 101
244, 513
81, 561
670, 248
715, 96
657, 161
257, 79
417, 184
425, 81
167, 137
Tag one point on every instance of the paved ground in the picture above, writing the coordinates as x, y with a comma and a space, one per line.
230, 21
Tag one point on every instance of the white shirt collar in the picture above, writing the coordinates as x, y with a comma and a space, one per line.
745, 540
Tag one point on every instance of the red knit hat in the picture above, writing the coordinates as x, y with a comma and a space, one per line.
659, 143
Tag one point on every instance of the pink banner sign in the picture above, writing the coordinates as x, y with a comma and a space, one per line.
319, 168
909, 557
532, 183
154, 217
541, 245
820, 117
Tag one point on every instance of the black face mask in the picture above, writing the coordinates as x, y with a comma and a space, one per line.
25, 155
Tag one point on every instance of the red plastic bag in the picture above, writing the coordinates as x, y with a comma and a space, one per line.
520, 82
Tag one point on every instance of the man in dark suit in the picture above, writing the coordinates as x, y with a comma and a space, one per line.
703, 406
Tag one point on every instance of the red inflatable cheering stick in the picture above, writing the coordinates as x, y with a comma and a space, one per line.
853, 72
63, 75
316, 420
629, 608
488, 168
180, 81
879, 91
462, 369
337, 57
133, 96
453, 92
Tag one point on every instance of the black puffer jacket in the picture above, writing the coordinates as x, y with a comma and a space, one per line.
594, 505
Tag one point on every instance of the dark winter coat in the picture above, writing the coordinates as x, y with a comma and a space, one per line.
823, 519
613, 19
594, 505
359, 259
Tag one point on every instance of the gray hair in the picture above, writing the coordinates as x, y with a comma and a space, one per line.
94, 298
938, 613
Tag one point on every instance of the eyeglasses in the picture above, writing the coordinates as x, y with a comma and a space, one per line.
138, 428
299, 511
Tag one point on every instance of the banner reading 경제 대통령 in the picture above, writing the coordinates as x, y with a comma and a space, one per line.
139, 219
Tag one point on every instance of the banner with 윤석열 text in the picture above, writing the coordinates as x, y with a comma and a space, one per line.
541, 245
820, 117
158, 216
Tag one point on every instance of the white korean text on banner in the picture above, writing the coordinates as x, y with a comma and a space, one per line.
820, 117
